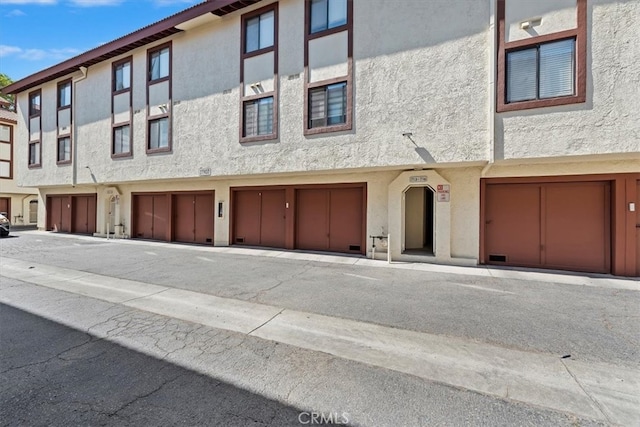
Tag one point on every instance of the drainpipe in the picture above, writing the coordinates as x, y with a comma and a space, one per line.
492, 87
74, 139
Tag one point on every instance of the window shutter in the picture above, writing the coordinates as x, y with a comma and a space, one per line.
557, 68
521, 75
317, 108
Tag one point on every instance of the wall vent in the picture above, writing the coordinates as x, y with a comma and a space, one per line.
208, 240
239, 239
354, 247
498, 258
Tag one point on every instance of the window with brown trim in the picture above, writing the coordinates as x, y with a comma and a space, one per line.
121, 145
328, 105
34, 153
259, 32
64, 149
6, 142
34, 103
259, 109
159, 63
544, 70
327, 14
158, 134
121, 78
64, 94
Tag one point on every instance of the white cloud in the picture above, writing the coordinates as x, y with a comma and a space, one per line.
8, 50
4, 2
15, 12
172, 2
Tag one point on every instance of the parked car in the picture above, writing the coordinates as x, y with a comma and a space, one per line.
5, 226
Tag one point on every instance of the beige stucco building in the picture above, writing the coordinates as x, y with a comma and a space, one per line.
469, 132
19, 204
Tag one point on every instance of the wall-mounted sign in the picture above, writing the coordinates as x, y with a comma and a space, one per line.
205, 171
417, 179
443, 191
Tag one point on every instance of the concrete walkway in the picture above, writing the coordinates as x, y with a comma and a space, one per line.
600, 391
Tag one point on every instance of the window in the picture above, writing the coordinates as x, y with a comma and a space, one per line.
122, 76
259, 32
159, 64
328, 105
158, 134
34, 154
327, 14
543, 71
64, 94
121, 140
258, 117
64, 149
34, 104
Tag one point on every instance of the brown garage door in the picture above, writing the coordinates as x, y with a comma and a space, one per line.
550, 225
259, 217
150, 215
330, 219
59, 213
5, 206
193, 218
83, 213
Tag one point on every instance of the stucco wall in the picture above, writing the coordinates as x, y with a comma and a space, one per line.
609, 122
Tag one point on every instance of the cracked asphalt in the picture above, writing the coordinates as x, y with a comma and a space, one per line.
127, 367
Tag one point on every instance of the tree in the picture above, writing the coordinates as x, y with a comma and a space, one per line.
6, 81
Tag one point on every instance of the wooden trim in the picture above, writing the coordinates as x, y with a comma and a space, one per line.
580, 35
10, 143
348, 78
243, 57
169, 114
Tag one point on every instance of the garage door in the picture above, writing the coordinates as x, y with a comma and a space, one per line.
5, 206
59, 213
330, 219
193, 218
259, 217
550, 225
83, 213
150, 215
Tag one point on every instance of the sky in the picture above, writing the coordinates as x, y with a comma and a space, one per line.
36, 34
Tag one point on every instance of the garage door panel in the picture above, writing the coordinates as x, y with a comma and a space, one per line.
345, 220
184, 218
312, 219
5, 206
246, 217
204, 217
576, 232
59, 212
80, 214
160, 215
512, 223
144, 216
272, 219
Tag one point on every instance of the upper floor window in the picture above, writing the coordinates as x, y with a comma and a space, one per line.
121, 141
34, 104
328, 105
258, 117
541, 71
64, 149
327, 14
159, 63
6, 151
122, 76
259, 32
159, 134
34, 153
64, 94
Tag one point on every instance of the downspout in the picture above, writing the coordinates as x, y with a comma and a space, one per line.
492, 87
74, 139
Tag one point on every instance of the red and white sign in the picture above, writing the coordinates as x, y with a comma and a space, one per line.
443, 192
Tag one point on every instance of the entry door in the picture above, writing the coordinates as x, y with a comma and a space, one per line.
151, 216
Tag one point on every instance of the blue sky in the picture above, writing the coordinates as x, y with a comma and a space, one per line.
36, 34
